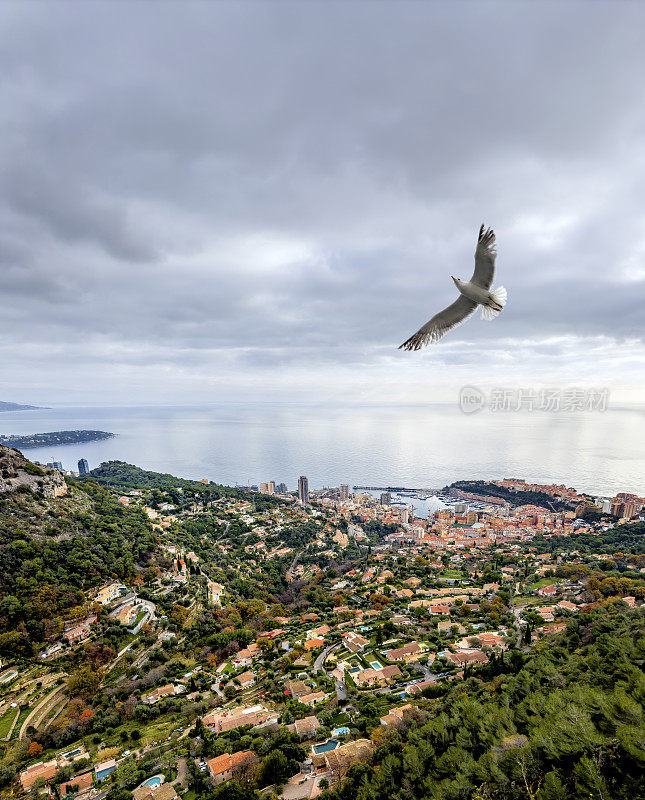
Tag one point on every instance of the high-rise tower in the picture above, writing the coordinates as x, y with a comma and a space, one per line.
303, 489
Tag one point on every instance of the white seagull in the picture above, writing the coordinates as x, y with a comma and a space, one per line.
474, 292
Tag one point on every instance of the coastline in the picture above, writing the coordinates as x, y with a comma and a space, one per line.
54, 439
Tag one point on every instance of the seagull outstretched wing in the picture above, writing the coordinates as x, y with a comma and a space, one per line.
485, 255
441, 323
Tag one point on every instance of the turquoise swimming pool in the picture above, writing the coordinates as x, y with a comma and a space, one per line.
153, 782
340, 731
325, 747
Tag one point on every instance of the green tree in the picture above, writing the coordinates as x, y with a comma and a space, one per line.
84, 682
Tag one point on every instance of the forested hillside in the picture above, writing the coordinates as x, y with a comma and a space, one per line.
119, 474
514, 498
53, 548
621, 539
563, 723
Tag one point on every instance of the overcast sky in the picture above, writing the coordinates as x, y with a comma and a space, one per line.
212, 201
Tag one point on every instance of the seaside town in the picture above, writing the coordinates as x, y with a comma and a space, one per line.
268, 641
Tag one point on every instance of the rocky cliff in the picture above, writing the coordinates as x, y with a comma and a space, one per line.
17, 471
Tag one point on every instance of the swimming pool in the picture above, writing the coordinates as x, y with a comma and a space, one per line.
325, 747
153, 782
340, 731
375, 665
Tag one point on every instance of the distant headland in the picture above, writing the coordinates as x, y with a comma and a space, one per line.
53, 438
4, 406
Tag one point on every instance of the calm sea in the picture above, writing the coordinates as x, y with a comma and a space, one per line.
413, 446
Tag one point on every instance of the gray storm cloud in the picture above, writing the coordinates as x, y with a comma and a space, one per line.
280, 192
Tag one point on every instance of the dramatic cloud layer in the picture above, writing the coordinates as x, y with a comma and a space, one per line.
212, 201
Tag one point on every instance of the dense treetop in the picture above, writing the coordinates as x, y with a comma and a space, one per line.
54, 549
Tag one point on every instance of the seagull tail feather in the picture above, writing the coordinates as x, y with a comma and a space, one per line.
497, 303
499, 295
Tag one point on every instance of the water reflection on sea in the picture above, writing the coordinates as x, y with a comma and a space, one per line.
415, 446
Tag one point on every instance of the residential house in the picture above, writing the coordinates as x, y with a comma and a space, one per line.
243, 658
108, 593
465, 658
43, 769
246, 679
354, 641
160, 692
396, 715
446, 625
77, 633
127, 614
297, 688
409, 652
223, 768
548, 630
228, 719
378, 677
215, 592
566, 605
79, 783
338, 761
166, 791
486, 639
312, 698
417, 688
307, 727
104, 769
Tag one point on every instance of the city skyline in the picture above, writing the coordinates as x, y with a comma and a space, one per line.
253, 546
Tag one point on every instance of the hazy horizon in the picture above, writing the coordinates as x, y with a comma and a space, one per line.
423, 445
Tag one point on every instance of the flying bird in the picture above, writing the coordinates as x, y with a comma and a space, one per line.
472, 293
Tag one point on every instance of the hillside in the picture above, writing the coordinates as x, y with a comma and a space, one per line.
123, 475
561, 723
5, 406
120, 475
53, 438
232, 600
17, 474
57, 538
628, 538
533, 498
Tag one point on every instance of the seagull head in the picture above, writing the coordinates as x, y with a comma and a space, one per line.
456, 280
